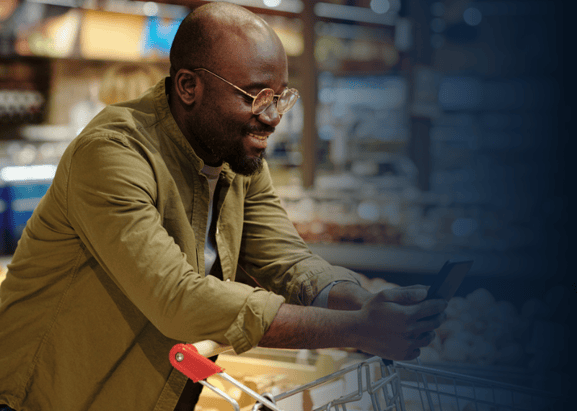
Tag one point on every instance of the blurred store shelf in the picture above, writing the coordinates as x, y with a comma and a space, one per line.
365, 257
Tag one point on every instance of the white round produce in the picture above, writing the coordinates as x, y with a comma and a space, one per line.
504, 311
449, 328
456, 306
483, 352
481, 300
455, 350
498, 333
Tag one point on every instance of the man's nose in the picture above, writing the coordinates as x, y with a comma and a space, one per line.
270, 116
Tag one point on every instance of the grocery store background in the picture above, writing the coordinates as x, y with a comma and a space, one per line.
427, 129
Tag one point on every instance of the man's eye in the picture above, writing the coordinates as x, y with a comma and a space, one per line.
247, 98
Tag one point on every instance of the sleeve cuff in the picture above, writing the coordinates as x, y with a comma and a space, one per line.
309, 285
253, 320
322, 298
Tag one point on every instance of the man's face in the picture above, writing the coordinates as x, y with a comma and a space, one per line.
224, 124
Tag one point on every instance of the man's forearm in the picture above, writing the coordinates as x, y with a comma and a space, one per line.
310, 327
347, 295
301, 327
393, 323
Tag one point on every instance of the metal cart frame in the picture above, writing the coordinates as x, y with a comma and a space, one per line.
379, 385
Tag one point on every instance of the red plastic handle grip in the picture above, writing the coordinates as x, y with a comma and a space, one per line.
186, 359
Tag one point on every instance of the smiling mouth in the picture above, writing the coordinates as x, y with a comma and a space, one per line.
262, 138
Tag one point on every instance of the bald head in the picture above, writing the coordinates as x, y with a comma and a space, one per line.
207, 34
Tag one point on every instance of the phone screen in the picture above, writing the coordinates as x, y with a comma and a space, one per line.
449, 279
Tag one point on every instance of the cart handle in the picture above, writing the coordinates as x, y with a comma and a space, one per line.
193, 359
209, 348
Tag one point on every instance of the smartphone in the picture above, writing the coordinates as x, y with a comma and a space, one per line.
449, 279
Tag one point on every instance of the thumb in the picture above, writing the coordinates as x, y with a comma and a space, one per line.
405, 295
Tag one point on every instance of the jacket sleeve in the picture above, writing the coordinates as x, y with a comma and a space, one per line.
112, 197
274, 254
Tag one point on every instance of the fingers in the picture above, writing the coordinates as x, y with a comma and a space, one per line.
422, 341
404, 295
422, 327
413, 348
414, 286
432, 322
422, 333
402, 321
426, 309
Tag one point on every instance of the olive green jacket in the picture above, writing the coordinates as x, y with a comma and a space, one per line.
109, 273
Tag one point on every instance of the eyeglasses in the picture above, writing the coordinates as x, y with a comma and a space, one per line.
262, 101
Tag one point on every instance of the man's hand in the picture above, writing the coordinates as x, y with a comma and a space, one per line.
395, 323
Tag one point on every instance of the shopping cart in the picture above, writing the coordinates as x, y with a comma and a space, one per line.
375, 384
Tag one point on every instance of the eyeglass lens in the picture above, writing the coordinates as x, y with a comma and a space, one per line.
265, 98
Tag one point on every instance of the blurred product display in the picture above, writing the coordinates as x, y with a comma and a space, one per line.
83, 111
123, 82
26, 171
20, 106
23, 92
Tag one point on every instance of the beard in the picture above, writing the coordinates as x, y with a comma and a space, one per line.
212, 135
243, 164
235, 155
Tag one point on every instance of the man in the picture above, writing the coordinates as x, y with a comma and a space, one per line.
154, 195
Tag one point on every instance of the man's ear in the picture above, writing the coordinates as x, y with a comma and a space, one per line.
187, 85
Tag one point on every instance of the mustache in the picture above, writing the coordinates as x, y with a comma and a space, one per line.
260, 130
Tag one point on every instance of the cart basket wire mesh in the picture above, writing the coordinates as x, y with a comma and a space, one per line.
430, 389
